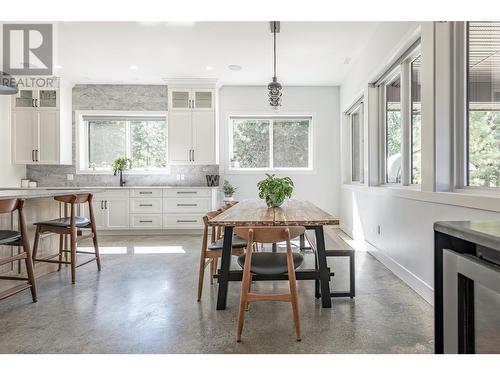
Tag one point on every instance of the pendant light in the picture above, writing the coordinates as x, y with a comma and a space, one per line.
274, 86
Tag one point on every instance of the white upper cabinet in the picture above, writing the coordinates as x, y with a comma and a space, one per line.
191, 125
191, 100
32, 100
41, 126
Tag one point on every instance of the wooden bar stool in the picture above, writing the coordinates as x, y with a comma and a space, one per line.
71, 225
265, 263
211, 252
17, 238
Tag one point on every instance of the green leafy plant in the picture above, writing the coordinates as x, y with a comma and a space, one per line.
228, 189
120, 164
274, 190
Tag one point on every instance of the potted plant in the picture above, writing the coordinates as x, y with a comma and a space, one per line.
119, 165
274, 190
228, 190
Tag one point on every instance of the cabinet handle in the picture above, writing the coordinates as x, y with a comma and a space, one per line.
145, 192
36, 103
145, 221
187, 221
32, 155
145, 205
33, 103
187, 204
102, 205
36, 155
106, 205
187, 192
193, 155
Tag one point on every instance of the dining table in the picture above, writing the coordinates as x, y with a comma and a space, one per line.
293, 212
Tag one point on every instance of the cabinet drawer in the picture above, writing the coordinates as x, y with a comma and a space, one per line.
186, 204
145, 205
193, 221
186, 192
146, 193
151, 221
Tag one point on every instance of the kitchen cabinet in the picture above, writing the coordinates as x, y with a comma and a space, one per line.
152, 208
41, 126
36, 137
192, 126
40, 99
186, 99
111, 210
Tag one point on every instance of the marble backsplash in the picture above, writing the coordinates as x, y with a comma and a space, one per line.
120, 98
56, 175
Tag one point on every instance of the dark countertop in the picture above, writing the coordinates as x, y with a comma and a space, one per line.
482, 232
45, 192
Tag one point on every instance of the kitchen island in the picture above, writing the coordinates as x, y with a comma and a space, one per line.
39, 205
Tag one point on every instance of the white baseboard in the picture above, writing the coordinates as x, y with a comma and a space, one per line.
408, 277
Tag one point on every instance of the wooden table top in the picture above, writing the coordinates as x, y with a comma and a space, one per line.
292, 212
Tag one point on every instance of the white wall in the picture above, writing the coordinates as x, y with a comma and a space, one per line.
405, 243
10, 174
321, 187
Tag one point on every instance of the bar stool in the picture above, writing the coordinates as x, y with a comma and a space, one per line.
71, 225
266, 263
17, 238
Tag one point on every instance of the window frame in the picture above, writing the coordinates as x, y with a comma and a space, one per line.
357, 107
402, 68
82, 140
270, 117
461, 112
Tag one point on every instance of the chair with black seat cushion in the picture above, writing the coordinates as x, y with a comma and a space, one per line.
211, 252
71, 226
265, 263
17, 238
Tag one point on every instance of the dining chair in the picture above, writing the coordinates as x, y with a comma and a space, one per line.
269, 263
71, 226
17, 238
212, 251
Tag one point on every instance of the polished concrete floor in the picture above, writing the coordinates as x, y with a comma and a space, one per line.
144, 301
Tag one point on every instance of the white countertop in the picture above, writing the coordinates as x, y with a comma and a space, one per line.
44, 192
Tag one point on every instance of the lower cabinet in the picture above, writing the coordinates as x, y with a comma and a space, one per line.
152, 208
111, 210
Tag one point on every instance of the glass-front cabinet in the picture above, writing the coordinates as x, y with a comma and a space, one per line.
27, 99
192, 99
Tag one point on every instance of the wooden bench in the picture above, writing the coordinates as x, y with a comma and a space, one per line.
335, 247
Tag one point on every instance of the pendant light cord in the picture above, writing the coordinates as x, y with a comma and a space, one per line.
274, 33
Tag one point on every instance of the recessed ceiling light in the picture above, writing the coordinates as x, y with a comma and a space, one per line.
209, 67
58, 66
234, 67
133, 67
347, 61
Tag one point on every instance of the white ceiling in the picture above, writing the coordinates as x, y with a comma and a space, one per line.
309, 53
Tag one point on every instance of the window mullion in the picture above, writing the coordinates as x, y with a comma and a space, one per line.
271, 144
128, 140
405, 124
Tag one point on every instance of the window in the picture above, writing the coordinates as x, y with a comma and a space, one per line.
399, 90
141, 139
393, 130
270, 143
483, 104
416, 118
355, 118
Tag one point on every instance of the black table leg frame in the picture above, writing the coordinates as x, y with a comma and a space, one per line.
324, 272
223, 275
